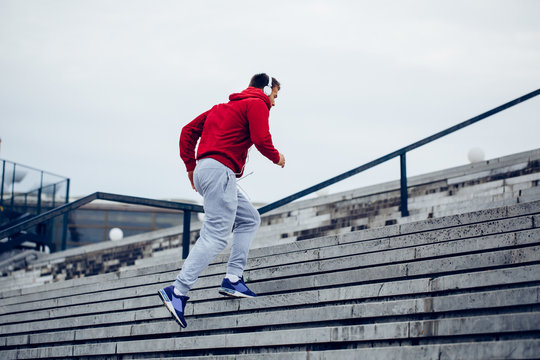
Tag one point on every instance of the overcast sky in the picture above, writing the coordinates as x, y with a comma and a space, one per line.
98, 90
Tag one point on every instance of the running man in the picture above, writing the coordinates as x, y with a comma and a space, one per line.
225, 133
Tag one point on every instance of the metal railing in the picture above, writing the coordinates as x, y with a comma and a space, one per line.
188, 208
64, 209
21, 185
402, 153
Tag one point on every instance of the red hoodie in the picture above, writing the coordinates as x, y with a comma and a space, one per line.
228, 130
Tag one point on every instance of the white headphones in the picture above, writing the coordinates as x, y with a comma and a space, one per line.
268, 88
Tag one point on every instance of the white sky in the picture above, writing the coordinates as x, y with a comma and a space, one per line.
99, 90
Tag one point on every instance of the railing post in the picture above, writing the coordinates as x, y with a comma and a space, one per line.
67, 191
2, 190
39, 194
65, 220
54, 195
13, 187
404, 194
185, 234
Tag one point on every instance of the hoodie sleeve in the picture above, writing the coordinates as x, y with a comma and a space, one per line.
188, 140
259, 130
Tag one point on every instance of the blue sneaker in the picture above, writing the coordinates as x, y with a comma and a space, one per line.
237, 289
174, 303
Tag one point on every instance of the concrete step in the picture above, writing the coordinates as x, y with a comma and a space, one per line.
55, 318
339, 307
450, 287
389, 231
480, 279
467, 218
372, 254
494, 326
504, 349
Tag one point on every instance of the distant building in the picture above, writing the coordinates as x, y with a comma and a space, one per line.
91, 223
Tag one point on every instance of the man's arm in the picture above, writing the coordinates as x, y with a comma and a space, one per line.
188, 141
260, 133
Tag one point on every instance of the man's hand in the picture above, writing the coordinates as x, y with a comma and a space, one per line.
190, 176
281, 160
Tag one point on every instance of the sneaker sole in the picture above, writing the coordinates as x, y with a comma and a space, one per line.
168, 304
233, 293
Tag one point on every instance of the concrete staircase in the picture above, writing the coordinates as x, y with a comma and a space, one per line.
504, 181
457, 287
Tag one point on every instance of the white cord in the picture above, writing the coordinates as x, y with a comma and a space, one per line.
245, 176
245, 163
243, 191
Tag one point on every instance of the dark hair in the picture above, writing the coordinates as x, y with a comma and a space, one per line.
261, 80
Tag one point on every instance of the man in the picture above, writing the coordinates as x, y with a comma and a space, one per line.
226, 133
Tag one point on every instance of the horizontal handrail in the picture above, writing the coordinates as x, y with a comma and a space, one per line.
35, 190
34, 169
394, 154
64, 209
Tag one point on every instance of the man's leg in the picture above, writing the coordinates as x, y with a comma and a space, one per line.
217, 184
246, 224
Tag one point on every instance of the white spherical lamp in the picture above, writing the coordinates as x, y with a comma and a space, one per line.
116, 234
476, 155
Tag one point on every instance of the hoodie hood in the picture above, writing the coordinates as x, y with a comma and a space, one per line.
251, 92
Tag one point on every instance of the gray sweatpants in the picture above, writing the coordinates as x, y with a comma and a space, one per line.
225, 210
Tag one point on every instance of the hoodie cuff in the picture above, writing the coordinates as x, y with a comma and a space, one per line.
277, 158
191, 164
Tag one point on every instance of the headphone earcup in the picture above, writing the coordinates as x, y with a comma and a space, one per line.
268, 88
